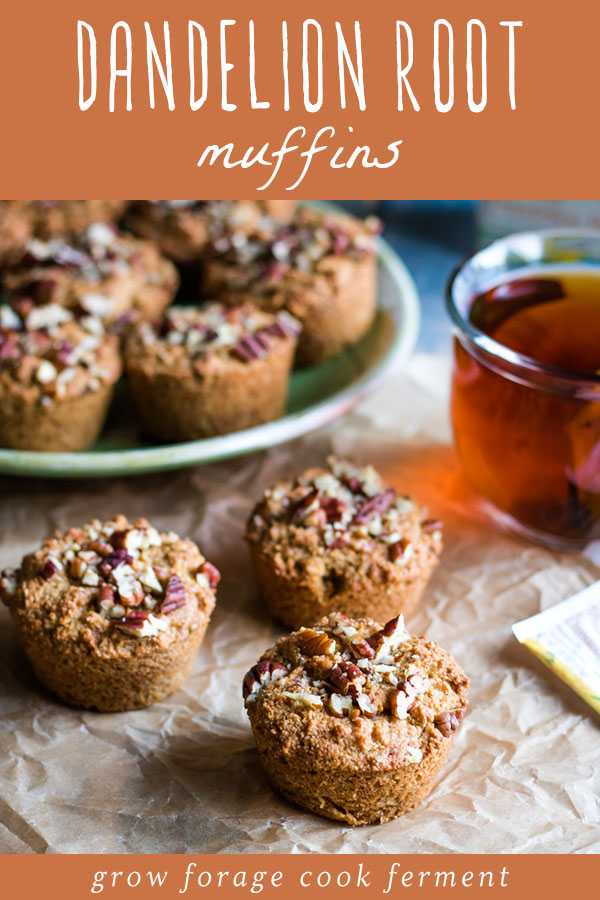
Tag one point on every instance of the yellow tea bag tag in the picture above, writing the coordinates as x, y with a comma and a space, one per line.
566, 638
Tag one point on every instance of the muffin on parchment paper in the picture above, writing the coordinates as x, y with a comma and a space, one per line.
320, 267
57, 379
210, 370
23, 219
111, 615
183, 229
98, 272
353, 720
340, 539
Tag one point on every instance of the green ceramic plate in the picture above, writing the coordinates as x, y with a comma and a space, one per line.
317, 396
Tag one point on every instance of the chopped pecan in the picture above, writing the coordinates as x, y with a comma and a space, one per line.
448, 722
430, 525
402, 700
175, 595
389, 637
316, 518
259, 676
115, 558
315, 643
76, 567
119, 539
49, 569
398, 549
297, 508
354, 485
340, 705
333, 508
99, 547
252, 347
212, 574
347, 678
107, 595
360, 648
367, 706
378, 504
134, 618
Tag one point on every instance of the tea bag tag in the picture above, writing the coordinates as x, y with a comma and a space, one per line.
566, 638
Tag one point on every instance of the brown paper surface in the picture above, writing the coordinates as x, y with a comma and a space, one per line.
523, 774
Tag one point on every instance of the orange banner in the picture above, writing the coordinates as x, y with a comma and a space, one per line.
412, 100
227, 876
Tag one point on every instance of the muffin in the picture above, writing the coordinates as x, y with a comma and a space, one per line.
184, 228
22, 219
210, 370
111, 615
98, 272
321, 268
56, 379
16, 228
353, 720
339, 539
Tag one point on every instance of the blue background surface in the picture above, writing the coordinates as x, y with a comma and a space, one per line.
432, 238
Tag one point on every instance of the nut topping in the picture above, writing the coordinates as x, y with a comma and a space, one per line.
49, 568
339, 705
448, 722
347, 508
378, 504
402, 700
112, 565
347, 677
175, 596
263, 673
407, 680
316, 643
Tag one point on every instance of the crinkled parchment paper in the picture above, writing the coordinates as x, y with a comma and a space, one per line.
523, 774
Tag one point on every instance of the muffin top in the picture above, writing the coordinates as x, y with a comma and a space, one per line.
23, 219
184, 228
303, 246
46, 355
220, 214
83, 271
189, 338
115, 586
345, 511
353, 694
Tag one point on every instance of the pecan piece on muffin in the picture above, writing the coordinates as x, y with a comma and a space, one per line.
56, 379
210, 370
111, 615
320, 267
340, 539
353, 720
22, 219
183, 229
99, 272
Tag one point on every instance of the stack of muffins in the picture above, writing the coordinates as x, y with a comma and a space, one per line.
352, 715
274, 286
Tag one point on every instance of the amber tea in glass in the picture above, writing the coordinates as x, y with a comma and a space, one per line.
526, 387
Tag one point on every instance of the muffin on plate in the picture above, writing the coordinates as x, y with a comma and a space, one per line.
184, 228
22, 219
56, 379
111, 614
320, 267
98, 272
15, 229
210, 370
353, 720
340, 539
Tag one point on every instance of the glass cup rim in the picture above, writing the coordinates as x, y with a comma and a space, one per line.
494, 348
